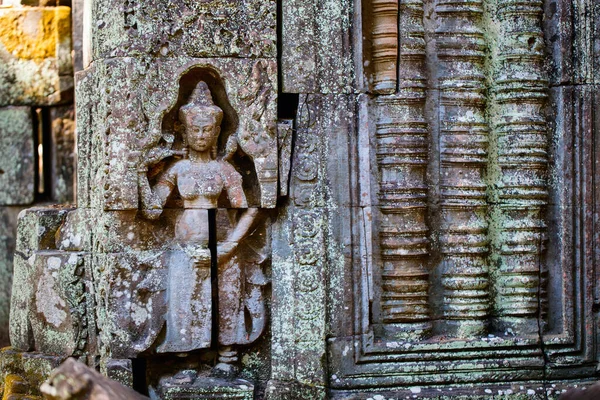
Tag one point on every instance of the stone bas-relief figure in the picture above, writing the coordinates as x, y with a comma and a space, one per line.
200, 179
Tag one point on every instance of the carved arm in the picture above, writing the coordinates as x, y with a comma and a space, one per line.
226, 248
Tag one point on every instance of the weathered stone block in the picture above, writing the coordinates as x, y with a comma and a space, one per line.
37, 229
213, 28
49, 303
131, 301
35, 46
317, 54
74, 379
17, 174
77, 18
8, 233
207, 388
27, 371
120, 370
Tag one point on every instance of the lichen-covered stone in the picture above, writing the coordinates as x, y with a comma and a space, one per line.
49, 303
37, 229
209, 388
213, 28
51, 299
35, 49
17, 174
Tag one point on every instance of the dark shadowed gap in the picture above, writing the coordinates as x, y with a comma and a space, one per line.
47, 139
42, 151
287, 105
214, 279
138, 367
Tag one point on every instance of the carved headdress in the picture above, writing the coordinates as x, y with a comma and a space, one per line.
201, 103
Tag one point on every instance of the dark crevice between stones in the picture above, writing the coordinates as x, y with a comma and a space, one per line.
42, 136
138, 366
214, 278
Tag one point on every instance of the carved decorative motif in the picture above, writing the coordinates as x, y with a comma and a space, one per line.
257, 136
402, 155
308, 250
519, 188
463, 138
384, 36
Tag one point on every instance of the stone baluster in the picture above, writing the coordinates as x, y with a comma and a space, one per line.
463, 140
520, 163
385, 45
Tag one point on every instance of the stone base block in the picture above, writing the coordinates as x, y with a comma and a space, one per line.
206, 388
292, 390
120, 370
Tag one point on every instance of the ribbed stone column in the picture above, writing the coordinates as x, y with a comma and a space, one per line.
519, 186
463, 138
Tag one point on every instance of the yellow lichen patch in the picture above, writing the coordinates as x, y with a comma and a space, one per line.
33, 33
15, 388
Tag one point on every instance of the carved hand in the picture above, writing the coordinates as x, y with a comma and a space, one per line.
227, 248
157, 154
225, 251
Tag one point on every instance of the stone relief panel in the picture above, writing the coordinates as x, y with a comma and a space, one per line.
127, 131
471, 166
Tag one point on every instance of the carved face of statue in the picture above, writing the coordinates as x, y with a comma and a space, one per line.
202, 131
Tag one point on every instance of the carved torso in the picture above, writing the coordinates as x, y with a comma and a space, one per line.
201, 184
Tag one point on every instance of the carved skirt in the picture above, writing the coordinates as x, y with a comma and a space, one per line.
189, 302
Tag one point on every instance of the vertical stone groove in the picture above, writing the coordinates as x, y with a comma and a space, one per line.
463, 135
384, 36
519, 188
402, 155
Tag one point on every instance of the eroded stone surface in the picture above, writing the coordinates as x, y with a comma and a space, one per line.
317, 51
409, 256
73, 380
23, 373
8, 232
